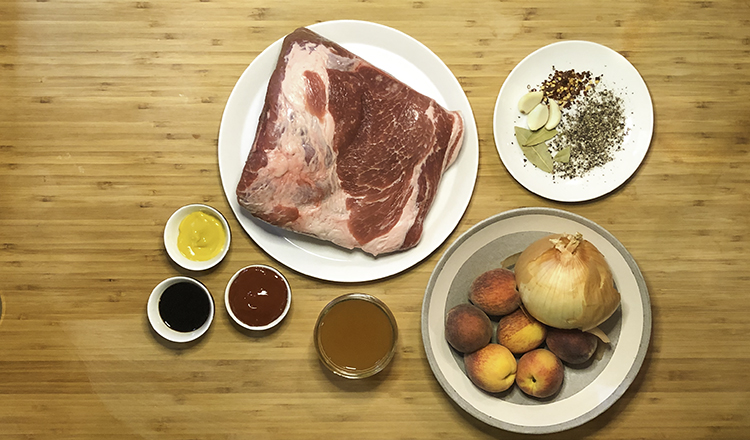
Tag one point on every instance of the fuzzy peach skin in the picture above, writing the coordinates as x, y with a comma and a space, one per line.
492, 368
495, 292
572, 346
540, 373
467, 328
520, 332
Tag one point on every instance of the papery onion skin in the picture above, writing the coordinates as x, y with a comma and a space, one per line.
565, 282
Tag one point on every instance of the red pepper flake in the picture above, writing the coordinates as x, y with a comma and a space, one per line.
565, 86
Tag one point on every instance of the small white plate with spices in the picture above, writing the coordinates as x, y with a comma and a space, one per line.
618, 76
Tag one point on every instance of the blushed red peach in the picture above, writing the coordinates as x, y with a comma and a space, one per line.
495, 292
571, 346
467, 328
492, 368
520, 332
540, 373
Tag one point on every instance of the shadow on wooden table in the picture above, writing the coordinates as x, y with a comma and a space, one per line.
353, 385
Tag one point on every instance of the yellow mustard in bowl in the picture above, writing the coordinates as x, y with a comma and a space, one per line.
201, 237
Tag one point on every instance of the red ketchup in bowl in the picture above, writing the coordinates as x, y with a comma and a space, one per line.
258, 297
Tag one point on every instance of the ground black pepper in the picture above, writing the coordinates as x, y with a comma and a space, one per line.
593, 130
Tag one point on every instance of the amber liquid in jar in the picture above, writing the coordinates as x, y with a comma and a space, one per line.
355, 335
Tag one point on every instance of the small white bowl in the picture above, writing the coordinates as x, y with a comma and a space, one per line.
273, 323
157, 323
172, 231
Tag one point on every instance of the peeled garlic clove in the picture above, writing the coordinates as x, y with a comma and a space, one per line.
529, 101
538, 117
554, 115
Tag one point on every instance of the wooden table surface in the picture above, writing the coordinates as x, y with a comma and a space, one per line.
109, 122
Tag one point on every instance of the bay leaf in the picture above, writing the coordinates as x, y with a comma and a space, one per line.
539, 136
522, 134
562, 155
539, 156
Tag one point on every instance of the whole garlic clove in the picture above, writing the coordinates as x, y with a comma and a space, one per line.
538, 117
528, 101
555, 114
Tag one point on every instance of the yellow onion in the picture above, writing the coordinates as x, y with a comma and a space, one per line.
565, 282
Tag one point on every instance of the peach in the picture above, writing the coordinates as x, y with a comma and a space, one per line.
467, 328
495, 292
540, 373
571, 346
520, 332
492, 368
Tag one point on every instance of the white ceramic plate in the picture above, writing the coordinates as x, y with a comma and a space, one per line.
618, 75
409, 61
587, 391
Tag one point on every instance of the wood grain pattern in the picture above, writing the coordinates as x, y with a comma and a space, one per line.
109, 122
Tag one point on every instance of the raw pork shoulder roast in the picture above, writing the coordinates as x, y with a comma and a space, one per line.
344, 151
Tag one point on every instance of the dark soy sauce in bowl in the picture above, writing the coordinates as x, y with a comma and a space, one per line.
184, 307
180, 309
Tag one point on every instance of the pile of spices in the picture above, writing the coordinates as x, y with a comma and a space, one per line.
565, 86
593, 130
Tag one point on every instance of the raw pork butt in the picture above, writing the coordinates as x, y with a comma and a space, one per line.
344, 151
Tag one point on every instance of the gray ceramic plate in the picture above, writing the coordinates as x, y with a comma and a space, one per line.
588, 390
